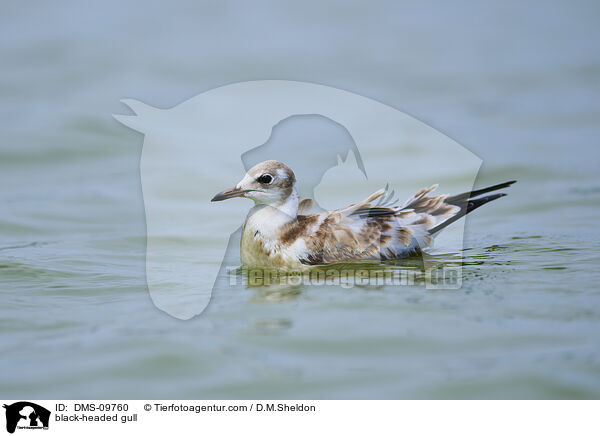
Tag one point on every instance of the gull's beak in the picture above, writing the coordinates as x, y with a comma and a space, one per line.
229, 193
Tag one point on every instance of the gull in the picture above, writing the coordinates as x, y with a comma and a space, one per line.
280, 233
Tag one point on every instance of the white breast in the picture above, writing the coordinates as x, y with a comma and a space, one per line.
260, 244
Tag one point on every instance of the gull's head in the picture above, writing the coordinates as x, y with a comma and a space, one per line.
268, 182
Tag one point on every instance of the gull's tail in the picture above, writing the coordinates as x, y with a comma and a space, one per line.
469, 201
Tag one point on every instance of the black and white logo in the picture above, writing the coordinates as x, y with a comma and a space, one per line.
26, 415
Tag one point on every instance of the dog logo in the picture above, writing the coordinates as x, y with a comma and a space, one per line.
26, 415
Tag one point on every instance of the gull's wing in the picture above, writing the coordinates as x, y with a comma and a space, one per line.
305, 206
349, 210
433, 213
363, 231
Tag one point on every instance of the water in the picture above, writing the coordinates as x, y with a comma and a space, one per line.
517, 84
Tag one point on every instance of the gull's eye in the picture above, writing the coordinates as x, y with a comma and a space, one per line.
265, 179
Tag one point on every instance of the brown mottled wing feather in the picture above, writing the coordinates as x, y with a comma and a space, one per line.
344, 239
305, 206
363, 231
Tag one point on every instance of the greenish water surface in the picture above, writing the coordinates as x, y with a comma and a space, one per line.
517, 84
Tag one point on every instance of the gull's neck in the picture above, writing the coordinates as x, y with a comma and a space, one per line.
269, 218
289, 206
